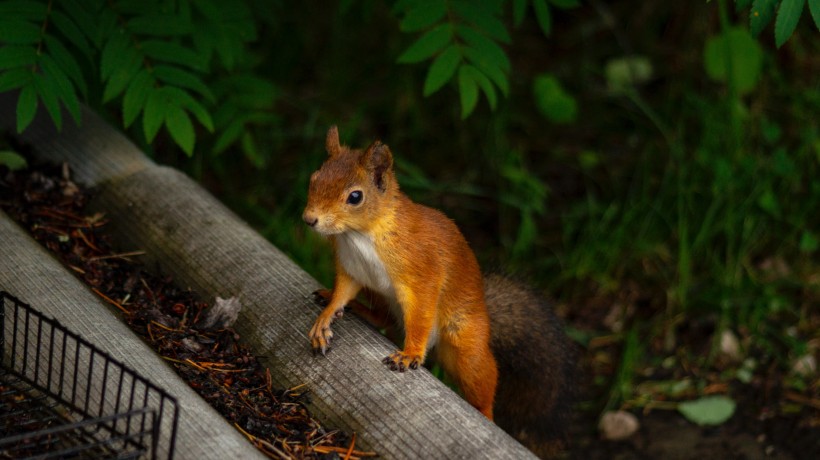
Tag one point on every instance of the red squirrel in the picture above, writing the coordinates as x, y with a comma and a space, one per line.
495, 338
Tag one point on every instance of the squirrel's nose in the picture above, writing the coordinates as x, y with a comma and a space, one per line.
310, 220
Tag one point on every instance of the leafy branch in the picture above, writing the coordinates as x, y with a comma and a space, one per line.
157, 59
463, 38
788, 16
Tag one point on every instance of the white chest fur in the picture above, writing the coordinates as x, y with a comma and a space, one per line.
357, 254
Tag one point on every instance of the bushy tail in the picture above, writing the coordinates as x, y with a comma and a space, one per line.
536, 367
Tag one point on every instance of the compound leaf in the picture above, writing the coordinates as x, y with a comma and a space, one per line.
428, 44
14, 78
814, 9
485, 46
183, 79
136, 96
12, 56
180, 127
154, 113
422, 15
468, 90
26, 107
483, 82
442, 69
488, 68
543, 15
761, 14
47, 91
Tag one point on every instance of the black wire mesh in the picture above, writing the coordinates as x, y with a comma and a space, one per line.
61, 397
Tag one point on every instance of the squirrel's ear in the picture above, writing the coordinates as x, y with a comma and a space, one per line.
332, 142
378, 160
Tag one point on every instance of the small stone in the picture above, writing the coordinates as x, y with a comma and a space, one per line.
805, 366
222, 314
618, 425
730, 345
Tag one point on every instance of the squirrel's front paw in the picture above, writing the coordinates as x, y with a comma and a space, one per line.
399, 361
320, 334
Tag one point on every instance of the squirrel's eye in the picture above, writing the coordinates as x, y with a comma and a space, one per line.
355, 197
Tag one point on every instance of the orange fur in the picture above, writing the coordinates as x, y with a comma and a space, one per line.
411, 256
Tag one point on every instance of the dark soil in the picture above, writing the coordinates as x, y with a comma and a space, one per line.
213, 360
777, 415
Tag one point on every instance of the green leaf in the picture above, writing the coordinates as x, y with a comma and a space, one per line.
183, 99
122, 75
483, 82
482, 18
154, 113
67, 27
709, 410
136, 96
468, 90
173, 53
428, 44
442, 69
183, 79
519, 8
542, 14
422, 15
181, 129
46, 89
788, 15
93, 26
229, 135
553, 101
65, 90
485, 46
15, 78
160, 25
114, 53
12, 160
490, 69
814, 8
66, 62
251, 151
14, 31
12, 56
761, 14
26, 107
746, 57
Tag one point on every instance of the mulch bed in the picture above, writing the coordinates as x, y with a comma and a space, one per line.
213, 360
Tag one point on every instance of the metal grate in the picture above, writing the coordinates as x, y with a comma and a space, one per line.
61, 397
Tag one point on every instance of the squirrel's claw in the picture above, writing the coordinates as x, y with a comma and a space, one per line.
399, 361
321, 334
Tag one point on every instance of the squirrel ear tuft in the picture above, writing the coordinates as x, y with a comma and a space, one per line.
332, 142
378, 160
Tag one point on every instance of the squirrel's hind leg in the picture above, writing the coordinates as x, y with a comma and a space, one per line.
472, 365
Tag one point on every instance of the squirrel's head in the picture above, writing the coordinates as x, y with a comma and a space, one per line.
352, 189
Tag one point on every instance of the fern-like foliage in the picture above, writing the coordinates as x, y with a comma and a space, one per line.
463, 38
787, 12
156, 59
